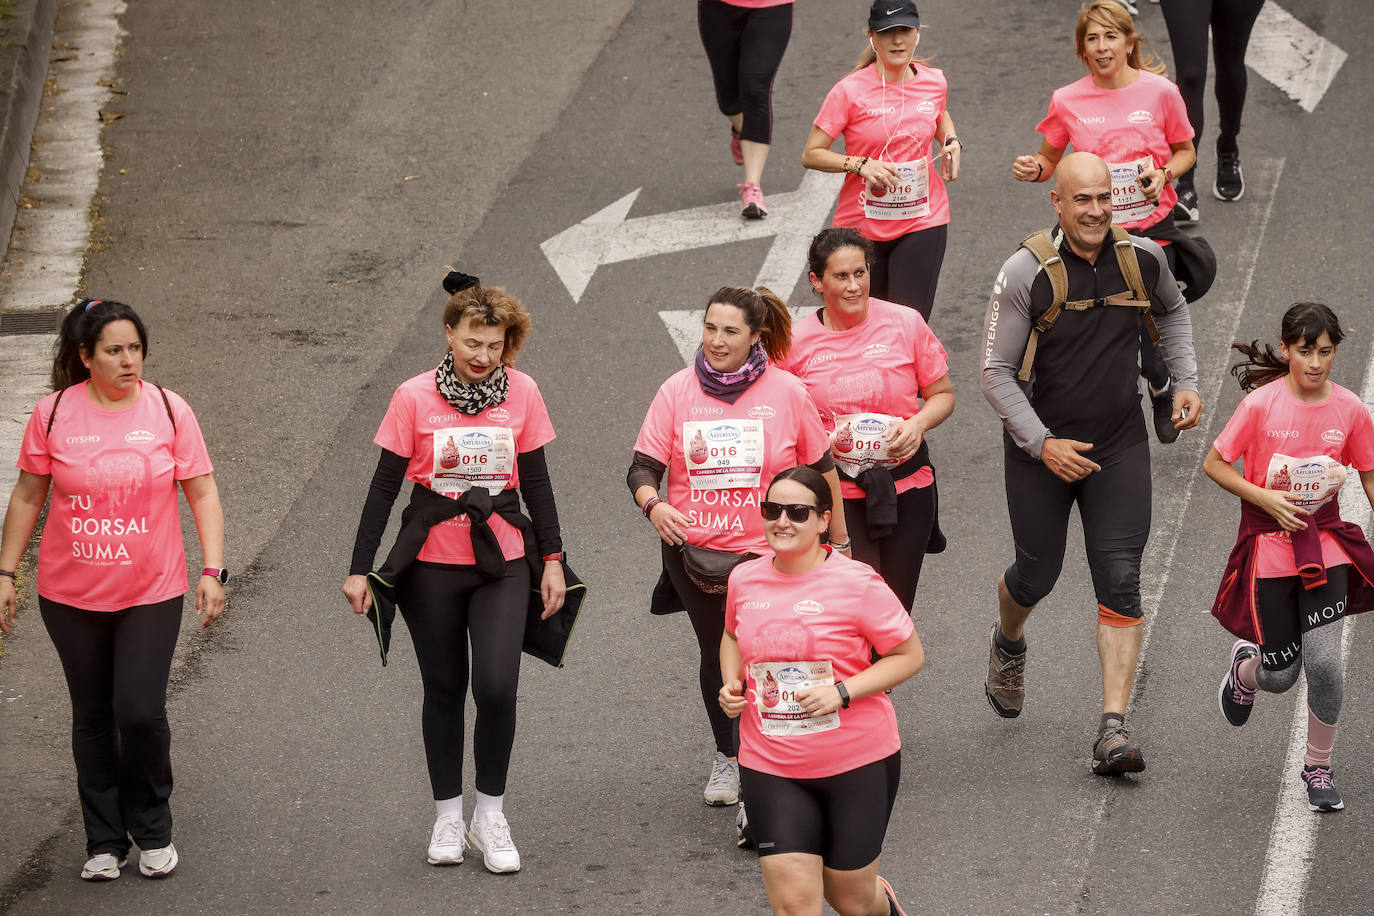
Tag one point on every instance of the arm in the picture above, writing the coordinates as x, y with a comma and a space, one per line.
537, 490
1367, 481
818, 156
839, 527
203, 497
905, 438
1181, 159
26, 502
1276, 504
646, 473
1006, 331
732, 700
381, 494
1039, 167
953, 152
900, 663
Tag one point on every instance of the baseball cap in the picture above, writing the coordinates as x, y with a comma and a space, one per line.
890, 14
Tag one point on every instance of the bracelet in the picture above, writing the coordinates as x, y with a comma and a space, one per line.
1039, 169
6, 573
954, 139
841, 545
847, 163
649, 505
553, 557
1168, 174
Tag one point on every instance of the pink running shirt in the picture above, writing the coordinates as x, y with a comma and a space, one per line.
878, 365
1272, 420
417, 411
113, 536
838, 612
728, 519
756, 4
872, 115
1122, 126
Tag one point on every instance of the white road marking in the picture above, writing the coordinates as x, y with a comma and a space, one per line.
1293, 836
608, 237
48, 250
1294, 58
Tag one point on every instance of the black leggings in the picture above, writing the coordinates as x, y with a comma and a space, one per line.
745, 48
906, 270
1114, 505
707, 613
117, 664
445, 606
1231, 22
841, 818
899, 556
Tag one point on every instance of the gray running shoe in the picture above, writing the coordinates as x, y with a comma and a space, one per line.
722, 787
1114, 754
1006, 683
1321, 790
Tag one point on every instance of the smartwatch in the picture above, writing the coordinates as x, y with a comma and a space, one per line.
221, 574
844, 694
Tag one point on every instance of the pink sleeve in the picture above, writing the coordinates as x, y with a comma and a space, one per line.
812, 440
1359, 445
397, 432
731, 614
885, 623
188, 447
1236, 436
1177, 127
834, 113
33, 450
536, 429
656, 434
1053, 126
932, 362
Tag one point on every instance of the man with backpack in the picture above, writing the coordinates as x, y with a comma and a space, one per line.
1061, 368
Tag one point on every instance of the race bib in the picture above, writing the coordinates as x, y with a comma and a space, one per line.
860, 441
1128, 200
1317, 480
776, 685
723, 454
472, 456
909, 200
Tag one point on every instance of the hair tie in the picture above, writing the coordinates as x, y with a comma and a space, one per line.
90, 303
457, 281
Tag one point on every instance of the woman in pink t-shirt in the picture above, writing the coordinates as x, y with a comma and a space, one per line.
717, 430
471, 431
820, 754
880, 379
889, 110
1297, 569
111, 576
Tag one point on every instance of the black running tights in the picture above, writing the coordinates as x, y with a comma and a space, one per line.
745, 48
906, 270
707, 613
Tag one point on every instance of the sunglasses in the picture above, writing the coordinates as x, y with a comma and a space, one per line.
797, 513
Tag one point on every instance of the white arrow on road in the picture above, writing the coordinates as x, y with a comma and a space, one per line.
607, 237
1292, 57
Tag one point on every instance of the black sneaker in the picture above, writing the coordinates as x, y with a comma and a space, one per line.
1237, 700
1321, 791
1162, 406
1114, 753
1230, 183
1186, 211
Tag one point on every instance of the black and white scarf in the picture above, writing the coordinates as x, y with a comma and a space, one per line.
471, 399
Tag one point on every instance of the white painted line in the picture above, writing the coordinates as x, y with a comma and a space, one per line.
1293, 836
42, 269
1294, 58
608, 236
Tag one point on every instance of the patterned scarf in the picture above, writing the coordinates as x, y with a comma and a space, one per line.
471, 399
728, 386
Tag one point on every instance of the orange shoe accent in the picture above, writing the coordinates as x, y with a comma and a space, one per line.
1111, 618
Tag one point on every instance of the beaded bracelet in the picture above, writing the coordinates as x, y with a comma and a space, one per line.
649, 505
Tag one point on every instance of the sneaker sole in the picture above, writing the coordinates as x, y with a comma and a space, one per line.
1326, 809
721, 803
1121, 764
753, 211
1221, 692
433, 861
1003, 711
102, 875
159, 872
486, 862
1228, 200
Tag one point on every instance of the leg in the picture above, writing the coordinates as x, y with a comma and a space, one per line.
903, 552
763, 41
1232, 22
1187, 22
1038, 504
786, 820
496, 627
85, 643
719, 25
914, 268
879, 270
707, 613
145, 639
794, 883
858, 805
1280, 656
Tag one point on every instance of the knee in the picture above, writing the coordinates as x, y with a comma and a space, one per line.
1028, 584
137, 715
495, 699
855, 901
1271, 681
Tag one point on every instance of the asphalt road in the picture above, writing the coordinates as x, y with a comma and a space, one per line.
267, 226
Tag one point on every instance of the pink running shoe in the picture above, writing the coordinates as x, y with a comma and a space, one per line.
751, 197
736, 151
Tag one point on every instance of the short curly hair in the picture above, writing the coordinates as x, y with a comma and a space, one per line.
494, 307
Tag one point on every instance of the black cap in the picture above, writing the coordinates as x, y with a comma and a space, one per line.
890, 14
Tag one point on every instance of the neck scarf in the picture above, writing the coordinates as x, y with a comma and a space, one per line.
728, 386
471, 399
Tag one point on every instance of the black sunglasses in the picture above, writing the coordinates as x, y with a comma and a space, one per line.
796, 512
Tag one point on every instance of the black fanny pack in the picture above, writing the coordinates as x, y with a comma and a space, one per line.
709, 569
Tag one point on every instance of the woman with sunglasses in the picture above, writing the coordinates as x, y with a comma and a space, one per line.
718, 430
820, 754
880, 379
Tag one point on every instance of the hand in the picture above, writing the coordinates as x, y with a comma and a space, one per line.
904, 438
9, 604
879, 173
670, 524
818, 701
732, 700
209, 600
1062, 457
1026, 168
1280, 507
552, 588
355, 590
949, 161
1152, 182
1190, 401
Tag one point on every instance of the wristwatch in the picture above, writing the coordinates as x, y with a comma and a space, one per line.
844, 694
221, 574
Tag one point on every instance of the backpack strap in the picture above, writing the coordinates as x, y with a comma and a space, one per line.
1040, 245
1129, 263
53, 416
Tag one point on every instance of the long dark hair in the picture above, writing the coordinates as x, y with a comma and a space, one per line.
80, 330
764, 312
810, 478
829, 241
1304, 322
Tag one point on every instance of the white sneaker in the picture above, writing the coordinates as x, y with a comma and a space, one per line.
446, 841
722, 788
158, 863
490, 835
102, 867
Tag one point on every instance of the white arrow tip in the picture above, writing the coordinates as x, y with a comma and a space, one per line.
576, 252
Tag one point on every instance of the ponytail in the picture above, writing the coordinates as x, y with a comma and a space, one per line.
1260, 367
79, 332
764, 312
1304, 322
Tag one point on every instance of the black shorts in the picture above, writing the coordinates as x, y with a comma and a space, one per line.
1287, 610
841, 818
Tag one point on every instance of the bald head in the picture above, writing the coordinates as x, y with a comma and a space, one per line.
1078, 170
1082, 198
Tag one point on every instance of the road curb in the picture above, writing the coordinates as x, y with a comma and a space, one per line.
28, 69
